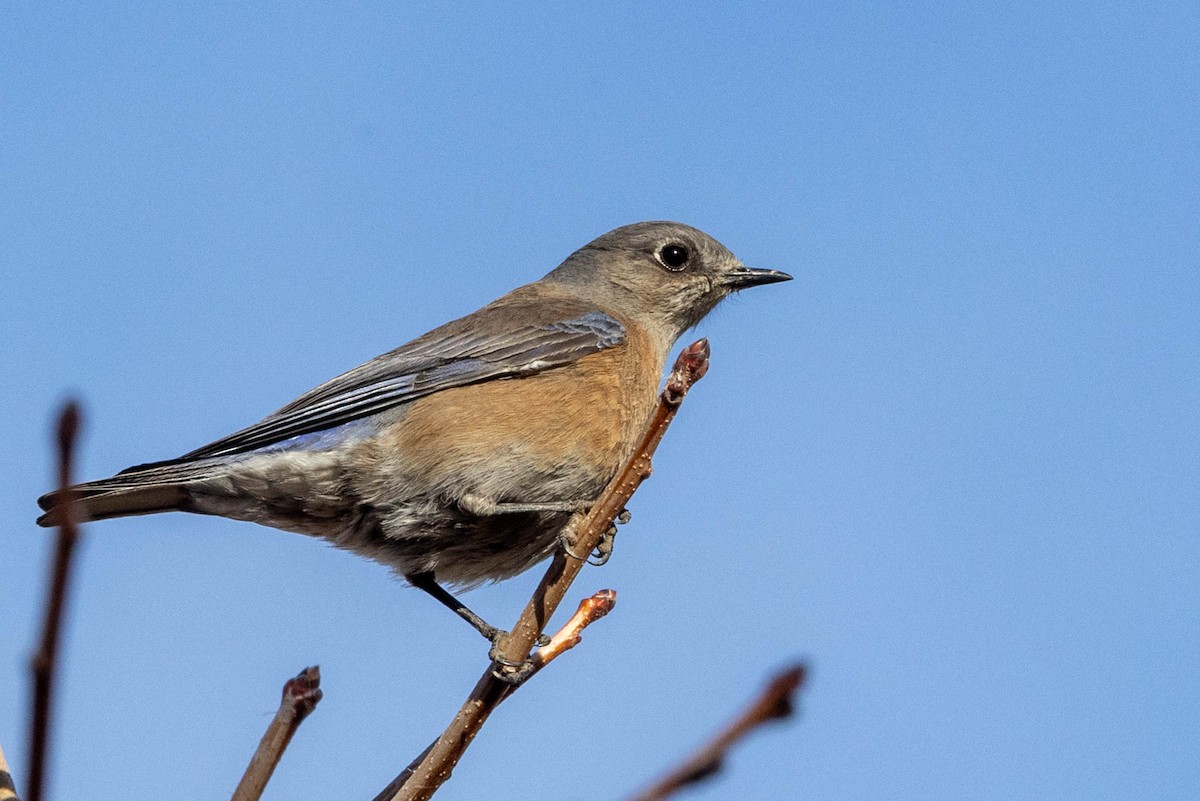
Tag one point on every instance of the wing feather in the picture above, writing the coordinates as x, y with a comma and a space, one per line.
476, 348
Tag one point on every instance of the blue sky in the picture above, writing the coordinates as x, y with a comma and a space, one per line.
955, 463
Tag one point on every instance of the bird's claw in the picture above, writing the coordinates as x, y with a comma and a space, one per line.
509, 673
566, 541
604, 548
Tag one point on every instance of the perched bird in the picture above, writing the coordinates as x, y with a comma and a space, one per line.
459, 457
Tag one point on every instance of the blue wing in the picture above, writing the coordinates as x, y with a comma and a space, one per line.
466, 351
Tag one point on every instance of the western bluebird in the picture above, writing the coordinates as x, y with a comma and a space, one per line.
459, 457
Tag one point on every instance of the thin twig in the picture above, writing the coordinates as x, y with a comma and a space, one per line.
8, 789
774, 703
421, 780
590, 610
300, 697
45, 660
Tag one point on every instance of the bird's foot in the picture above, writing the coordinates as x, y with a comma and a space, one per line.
510, 673
604, 548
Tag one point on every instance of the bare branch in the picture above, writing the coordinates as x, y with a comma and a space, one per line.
774, 703
45, 660
300, 697
590, 610
510, 665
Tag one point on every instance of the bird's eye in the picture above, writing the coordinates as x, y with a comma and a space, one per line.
673, 257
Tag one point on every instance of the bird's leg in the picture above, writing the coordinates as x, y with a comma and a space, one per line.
485, 507
427, 583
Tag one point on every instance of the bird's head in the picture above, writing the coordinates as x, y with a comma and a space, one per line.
664, 274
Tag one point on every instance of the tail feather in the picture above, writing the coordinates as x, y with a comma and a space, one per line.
138, 491
115, 503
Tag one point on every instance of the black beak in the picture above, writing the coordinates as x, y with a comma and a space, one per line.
743, 277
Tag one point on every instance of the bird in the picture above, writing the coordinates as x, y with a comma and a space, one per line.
458, 458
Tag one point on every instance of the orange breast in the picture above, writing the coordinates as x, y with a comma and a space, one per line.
585, 414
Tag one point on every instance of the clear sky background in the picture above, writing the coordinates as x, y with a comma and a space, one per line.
955, 463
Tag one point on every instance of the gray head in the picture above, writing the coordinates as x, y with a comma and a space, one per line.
659, 272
